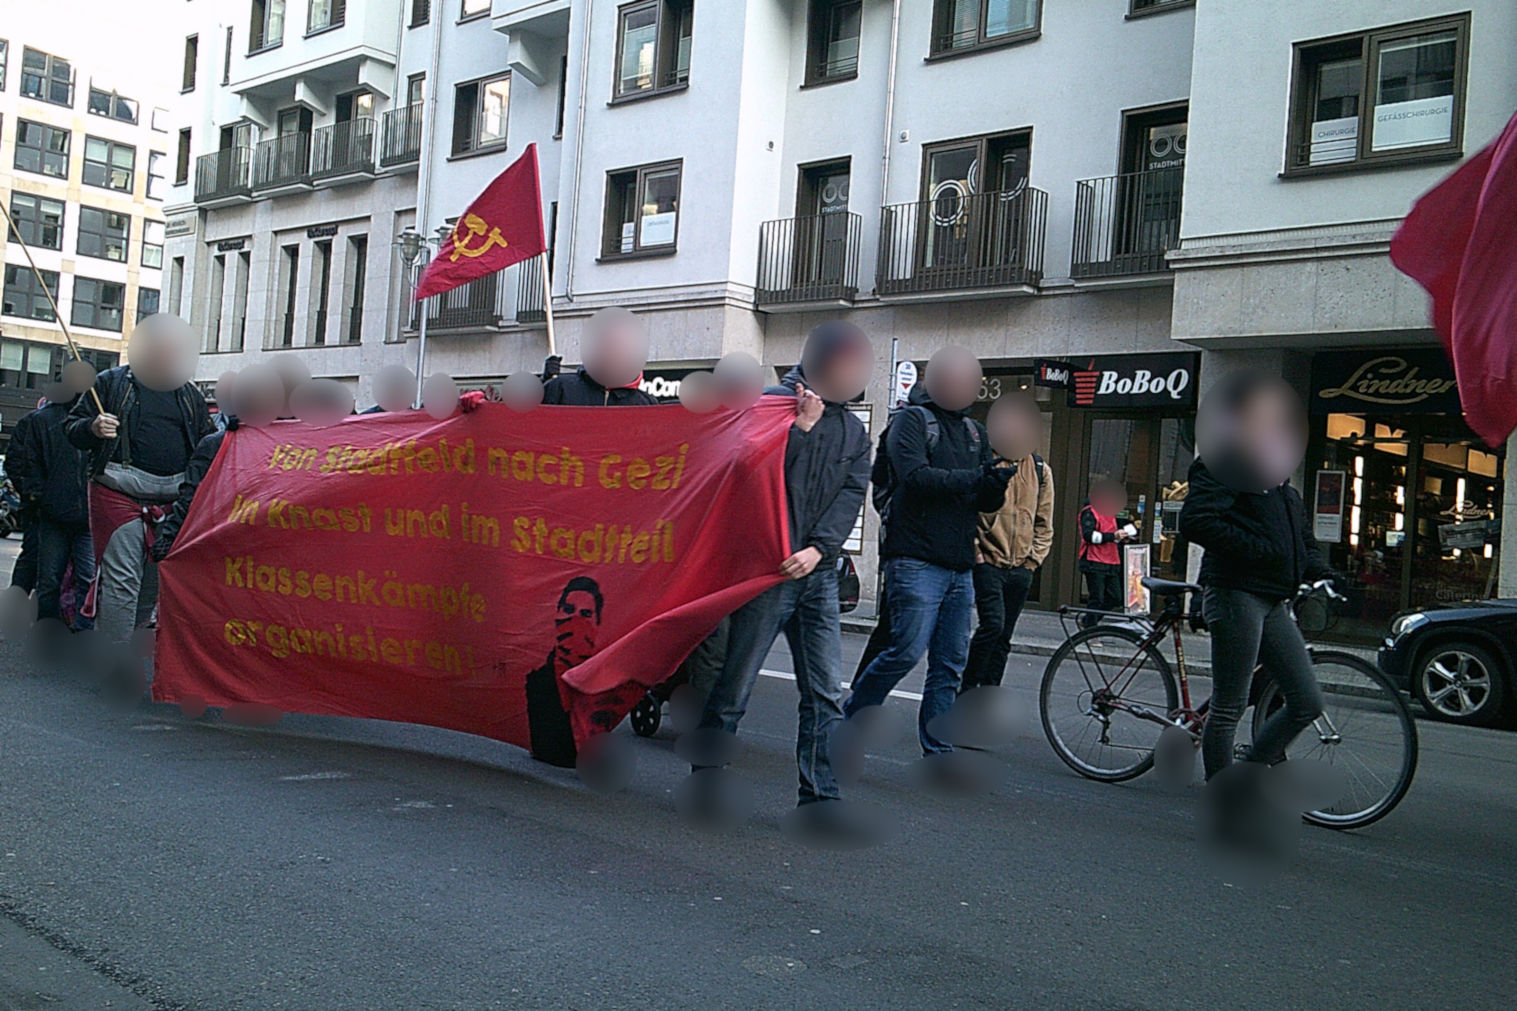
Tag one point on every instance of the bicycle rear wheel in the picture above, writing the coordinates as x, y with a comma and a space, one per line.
1366, 733
1103, 702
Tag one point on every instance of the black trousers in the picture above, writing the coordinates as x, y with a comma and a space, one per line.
999, 595
1103, 585
24, 573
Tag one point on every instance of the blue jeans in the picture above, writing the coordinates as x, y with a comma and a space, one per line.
57, 545
806, 610
930, 612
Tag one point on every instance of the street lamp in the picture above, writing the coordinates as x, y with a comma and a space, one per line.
412, 246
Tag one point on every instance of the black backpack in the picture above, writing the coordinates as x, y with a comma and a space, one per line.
882, 476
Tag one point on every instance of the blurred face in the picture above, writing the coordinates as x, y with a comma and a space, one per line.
161, 351
615, 348
394, 387
258, 396
845, 374
1014, 425
575, 627
953, 378
1108, 497
1254, 442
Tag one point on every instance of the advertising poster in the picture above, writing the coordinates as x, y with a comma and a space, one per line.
1327, 512
1134, 571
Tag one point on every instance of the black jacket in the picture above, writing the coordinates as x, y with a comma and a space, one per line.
548, 724
579, 390
194, 472
935, 508
826, 475
47, 470
117, 390
1257, 542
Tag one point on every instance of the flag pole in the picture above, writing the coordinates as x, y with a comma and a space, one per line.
57, 315
548, 303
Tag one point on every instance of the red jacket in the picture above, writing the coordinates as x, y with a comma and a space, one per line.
1098, 538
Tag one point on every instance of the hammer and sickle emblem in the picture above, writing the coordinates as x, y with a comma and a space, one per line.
473, 225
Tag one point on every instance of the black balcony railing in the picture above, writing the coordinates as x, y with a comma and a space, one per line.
222, 174
282, 161
1126, 224
809, 259
529, 292
476, 304
319, 327
962, 241
401, 142
343, 149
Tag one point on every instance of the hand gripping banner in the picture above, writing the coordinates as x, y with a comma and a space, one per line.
520, 576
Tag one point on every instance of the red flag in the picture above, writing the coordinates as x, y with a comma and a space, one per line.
504, 225
1460, 243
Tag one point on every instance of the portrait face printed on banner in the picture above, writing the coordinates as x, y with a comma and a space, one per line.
577, 622
1015, 425
615, 348
161, 352
953, 377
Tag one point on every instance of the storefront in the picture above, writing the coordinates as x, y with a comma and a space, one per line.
1404, 497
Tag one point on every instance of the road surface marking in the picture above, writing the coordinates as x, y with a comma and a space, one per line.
308, 776
787, 676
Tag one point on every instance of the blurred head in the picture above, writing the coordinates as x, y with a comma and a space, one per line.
293, 374
394, 387
577, 621
1251, 431
615, 347
1015, 425
1108, 496
258, 396
161, 352
836, 361
953, 377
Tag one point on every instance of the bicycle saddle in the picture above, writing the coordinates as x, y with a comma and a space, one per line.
1168, 587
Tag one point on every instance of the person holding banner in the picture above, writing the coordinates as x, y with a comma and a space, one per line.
615, 349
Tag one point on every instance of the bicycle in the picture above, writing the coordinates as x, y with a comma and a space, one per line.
1108, 687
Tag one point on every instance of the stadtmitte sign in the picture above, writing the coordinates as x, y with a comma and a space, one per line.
1413, 381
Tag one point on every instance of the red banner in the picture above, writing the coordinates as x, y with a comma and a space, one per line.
504, 225
442, 572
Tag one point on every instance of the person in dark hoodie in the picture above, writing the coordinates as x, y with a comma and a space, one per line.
51, 482
826, 476
1259, 550
194, 473
942, 475
614, 350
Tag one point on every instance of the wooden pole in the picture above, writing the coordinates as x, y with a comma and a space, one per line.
548, 304
57, 315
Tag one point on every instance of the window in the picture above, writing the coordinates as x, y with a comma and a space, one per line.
473, 9
109, 164
152, 244
108, 103
832, 48
421, 12
45, 77
103, 233
218, 295
653, 46
355, 280
155, 184
98, 304
176, 283
1384, 96
243, 271
4, 52
24, 294
160, 119
321, 291
416, 89
642, 210
267, 28
42, 148
39, 221
226, 58
563, 91
479, 114
1147, 6
324, 14
289, 271
969, 24
191, 59
182, 159
147, 302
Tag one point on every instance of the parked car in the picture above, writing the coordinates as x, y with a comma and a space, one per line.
1459, 660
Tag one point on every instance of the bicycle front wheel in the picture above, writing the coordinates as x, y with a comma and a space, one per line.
1366, 733
1105, 699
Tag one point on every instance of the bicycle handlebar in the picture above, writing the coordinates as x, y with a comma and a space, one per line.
1323, 586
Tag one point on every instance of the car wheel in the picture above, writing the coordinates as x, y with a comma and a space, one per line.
1460, 683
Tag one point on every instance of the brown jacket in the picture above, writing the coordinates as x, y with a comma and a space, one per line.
1021, 531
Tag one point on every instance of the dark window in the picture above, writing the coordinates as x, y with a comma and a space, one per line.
5, 48
103, 233
355, 282
642, 210
266, 27
473, 9
421, 12
45, 77
109, 164
98, 304
24, 295
968, 24
155, 186
182, 159
1144, 6
321, 291
191, 62
108, 103
42, 148
39, 221
226, 58
289, 272
563, 91
1382, 96
832, 48
324, 14
152, 244
479, 114
147, 302
416, 89
653, 46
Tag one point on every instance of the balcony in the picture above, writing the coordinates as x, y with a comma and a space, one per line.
343, 152
807, 260
222, 178
1125, 224
401, 140
529, 292
963, 244
476, 304
282, 164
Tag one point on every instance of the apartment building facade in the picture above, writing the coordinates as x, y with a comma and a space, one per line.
83, 165
1012, 175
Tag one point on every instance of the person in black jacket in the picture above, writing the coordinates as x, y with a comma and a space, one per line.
615, 348
19, 469
194, 473
826, 475
942, 475
50, 479
1259, 550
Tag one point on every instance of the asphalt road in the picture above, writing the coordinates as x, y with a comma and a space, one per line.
147, 861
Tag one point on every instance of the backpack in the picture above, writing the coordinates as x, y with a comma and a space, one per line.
882, 475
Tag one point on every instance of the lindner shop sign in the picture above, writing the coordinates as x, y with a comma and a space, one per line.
1384, 381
